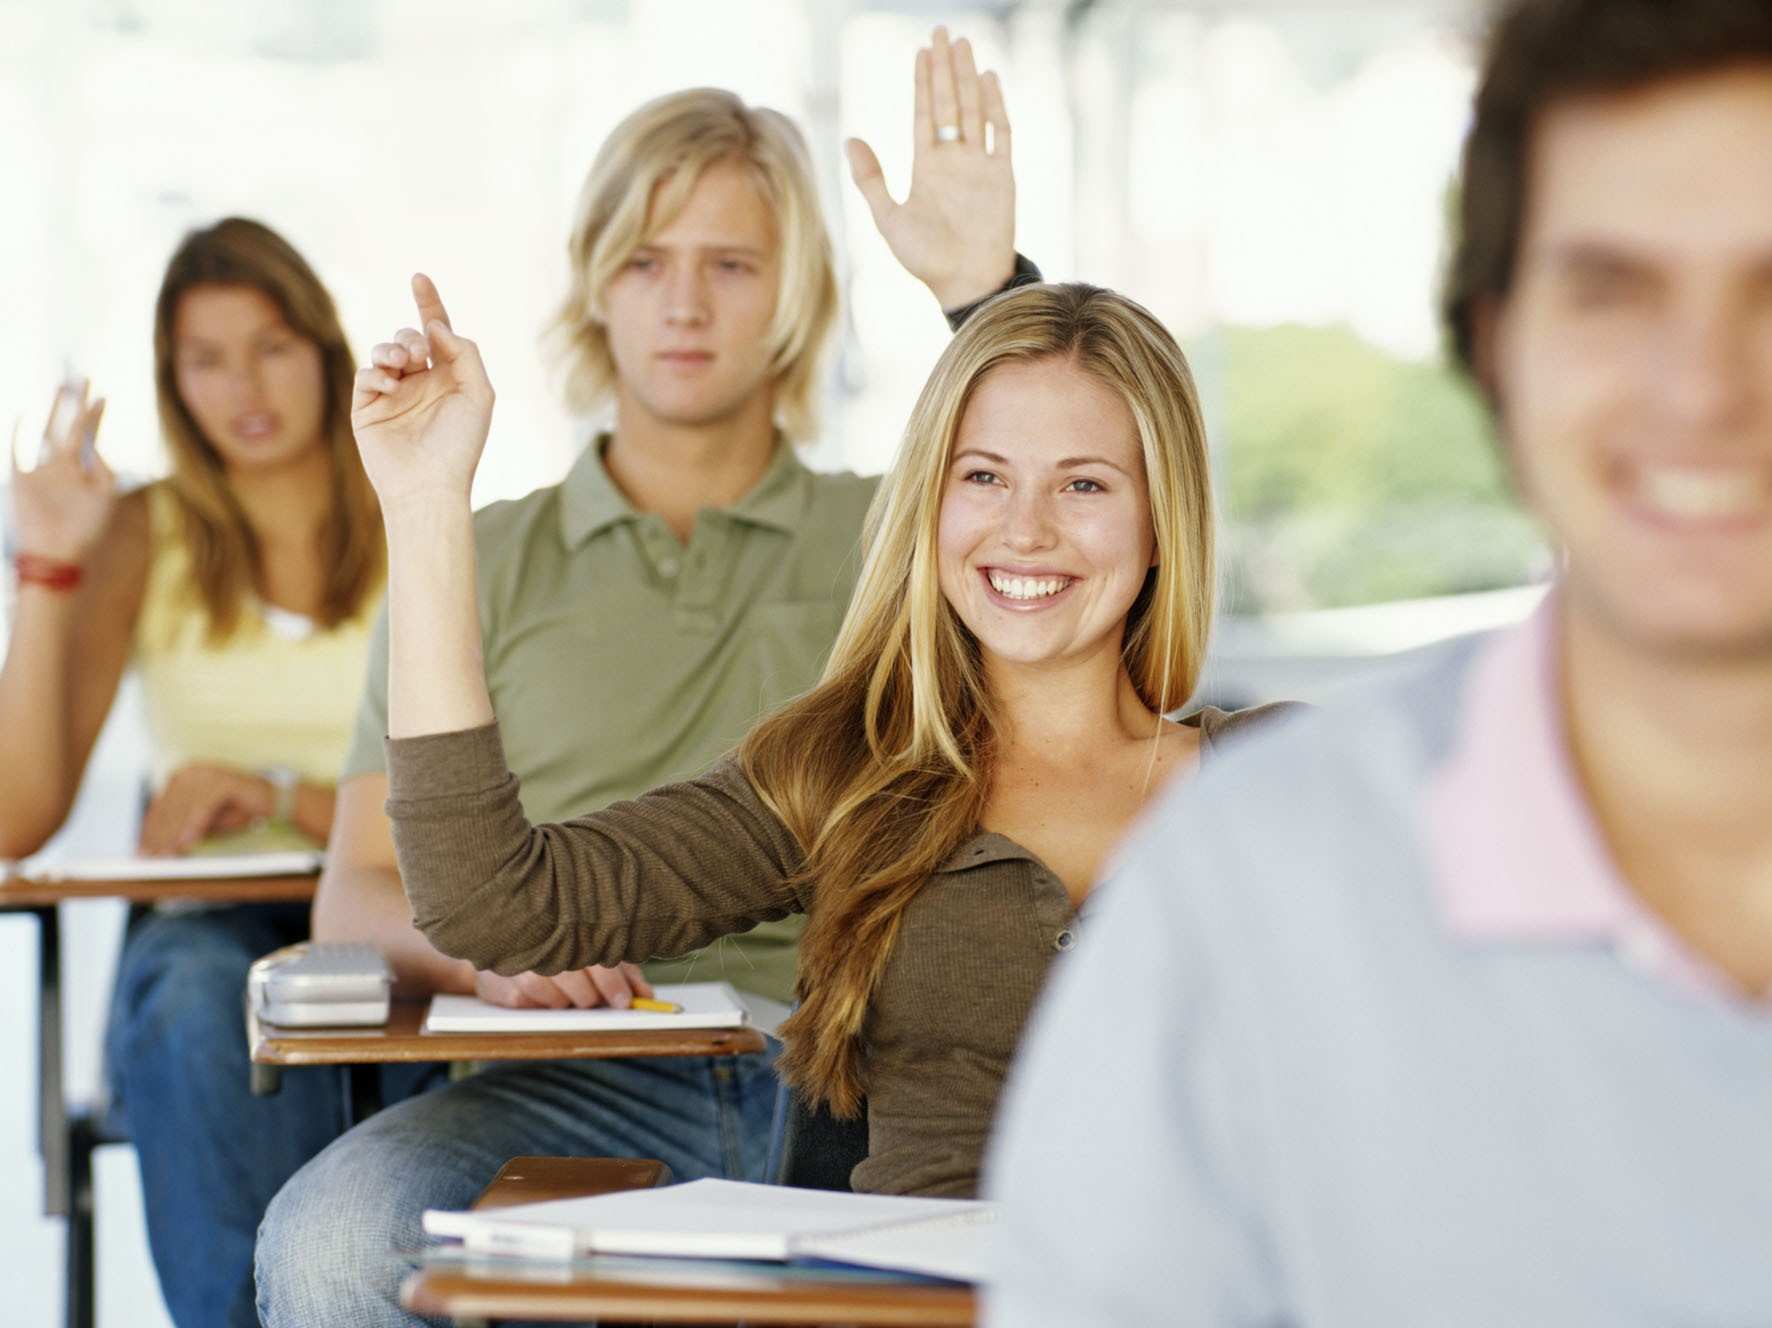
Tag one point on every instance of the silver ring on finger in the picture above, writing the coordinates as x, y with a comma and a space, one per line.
947, 133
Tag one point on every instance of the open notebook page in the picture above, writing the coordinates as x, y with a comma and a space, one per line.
705, 1005
713, 1219
210, 867
956, 1246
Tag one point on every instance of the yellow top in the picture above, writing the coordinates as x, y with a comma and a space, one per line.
278, 692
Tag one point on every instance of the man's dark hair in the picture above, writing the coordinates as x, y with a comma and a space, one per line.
1542, 52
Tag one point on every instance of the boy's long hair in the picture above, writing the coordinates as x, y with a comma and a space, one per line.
644, 174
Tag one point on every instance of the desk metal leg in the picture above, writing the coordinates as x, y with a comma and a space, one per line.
52, 1106
362, 1092
67, 1161
80, 1292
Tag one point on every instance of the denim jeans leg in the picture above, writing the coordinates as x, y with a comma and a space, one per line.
338, 1240
211, 1154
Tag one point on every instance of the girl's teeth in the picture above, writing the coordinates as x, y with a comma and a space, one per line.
1027, 587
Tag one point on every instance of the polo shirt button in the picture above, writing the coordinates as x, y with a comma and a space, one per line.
669, 567
1064, 940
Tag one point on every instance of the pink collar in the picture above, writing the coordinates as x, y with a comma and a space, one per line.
1513, 846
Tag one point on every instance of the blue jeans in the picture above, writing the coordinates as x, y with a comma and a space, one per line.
211, 1154
339, 1238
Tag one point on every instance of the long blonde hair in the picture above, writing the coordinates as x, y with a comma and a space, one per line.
883, 769
645, 171
224, 554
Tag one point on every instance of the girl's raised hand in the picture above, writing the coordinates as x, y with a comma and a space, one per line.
61, 504
422, 408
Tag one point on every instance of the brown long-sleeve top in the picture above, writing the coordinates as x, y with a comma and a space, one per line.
683, 865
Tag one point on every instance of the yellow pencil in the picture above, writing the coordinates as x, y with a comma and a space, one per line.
657, 1007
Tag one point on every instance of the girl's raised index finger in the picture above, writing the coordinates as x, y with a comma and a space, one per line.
430, 303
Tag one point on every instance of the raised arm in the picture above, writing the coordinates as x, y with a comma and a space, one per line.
360, 899
421, 412
655, 877
659, 876
83, 567
955, 230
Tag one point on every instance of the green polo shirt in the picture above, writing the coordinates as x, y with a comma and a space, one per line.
619, 659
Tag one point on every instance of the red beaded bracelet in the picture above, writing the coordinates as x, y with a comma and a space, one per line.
50, 573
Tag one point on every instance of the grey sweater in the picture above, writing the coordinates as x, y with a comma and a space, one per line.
681, 866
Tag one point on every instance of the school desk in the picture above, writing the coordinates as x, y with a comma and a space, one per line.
65, 1138
611, 1291
363, 1051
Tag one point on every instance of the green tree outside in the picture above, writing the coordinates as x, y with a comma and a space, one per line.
1352, 476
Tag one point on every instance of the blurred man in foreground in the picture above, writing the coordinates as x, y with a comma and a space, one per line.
1470, 1014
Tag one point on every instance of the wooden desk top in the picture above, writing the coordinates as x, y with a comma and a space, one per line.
20, 892
537, 1179
661, 1290
671, 1291
400, 1041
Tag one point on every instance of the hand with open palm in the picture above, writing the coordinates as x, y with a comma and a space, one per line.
421, 410
60, 506
955, 230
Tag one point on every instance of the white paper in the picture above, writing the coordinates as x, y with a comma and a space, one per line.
705, 1005
956, 1246
223, 866
710, 1219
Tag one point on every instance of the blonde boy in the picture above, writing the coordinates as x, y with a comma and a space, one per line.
691, 565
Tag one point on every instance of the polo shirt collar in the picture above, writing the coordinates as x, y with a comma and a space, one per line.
590, 502
778, 500
1514, 850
